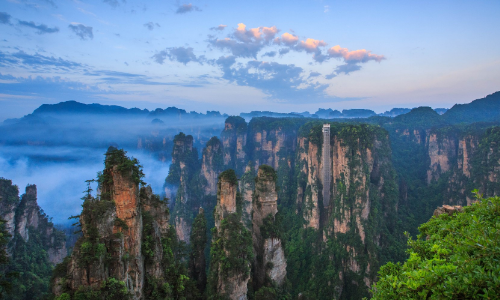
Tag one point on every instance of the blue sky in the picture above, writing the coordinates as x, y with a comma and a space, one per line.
237, 56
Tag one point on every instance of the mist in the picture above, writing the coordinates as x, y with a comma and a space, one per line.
60, 173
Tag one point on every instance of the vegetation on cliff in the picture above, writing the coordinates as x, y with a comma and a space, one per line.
454, 257
230, 254
5, 286
114, 254
27, 271
197, 262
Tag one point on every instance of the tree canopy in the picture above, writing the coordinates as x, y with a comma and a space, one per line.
454, 257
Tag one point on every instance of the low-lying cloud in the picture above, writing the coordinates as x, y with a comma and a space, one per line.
60, 179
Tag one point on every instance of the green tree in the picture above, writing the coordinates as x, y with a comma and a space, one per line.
197, 263
454, 257
5, 286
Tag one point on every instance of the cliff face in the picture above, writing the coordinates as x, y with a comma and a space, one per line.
212, 165
34, 247
363, 193
24, 216
468, 160
231, 251
116, 233
308, 191
352, 232
270, 262
125, 236
234, 141
181, 174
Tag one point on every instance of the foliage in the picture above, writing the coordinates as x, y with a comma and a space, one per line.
480, 110
453, 257
28, 271
9, 193
184, 152
270, 228
268, 173
5, 285
230, 254
230, 176
175, 284
128, 167
111, 289
197, 262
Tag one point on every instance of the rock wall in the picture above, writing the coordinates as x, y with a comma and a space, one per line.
231, 241
113, 234
23, 216
270, 262
212, 165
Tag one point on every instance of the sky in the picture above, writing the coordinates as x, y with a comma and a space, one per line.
239, 56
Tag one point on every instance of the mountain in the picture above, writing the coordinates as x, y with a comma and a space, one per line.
34, 245
486, 109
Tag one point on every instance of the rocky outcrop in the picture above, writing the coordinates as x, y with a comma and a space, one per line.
23, 216
308, 192
440, 152
447, 209
246, 186
182, 171
122, 233
234, 141
212, 165
231, 244
270, 262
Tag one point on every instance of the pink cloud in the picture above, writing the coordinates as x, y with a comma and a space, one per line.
355, 55
287, 39
311, 45
257, 34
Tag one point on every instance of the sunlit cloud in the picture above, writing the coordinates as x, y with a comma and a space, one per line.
355, 55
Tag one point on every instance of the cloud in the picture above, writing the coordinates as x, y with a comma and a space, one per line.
326, 9
245, 42
42, 28
4, 18
185, 8
278, 81
151, 25
179, 54
332, 75
354, 56
36, 61
113, 3
219, 28
314, 74
287, 39
270, 54
347, 68
238, 49
84, 32
50, 87
284, 51
311, 45
254, 34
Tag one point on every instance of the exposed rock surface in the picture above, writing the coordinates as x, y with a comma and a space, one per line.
228, 280
23, 216
267, 244
212, 164
112, 241
447, 209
